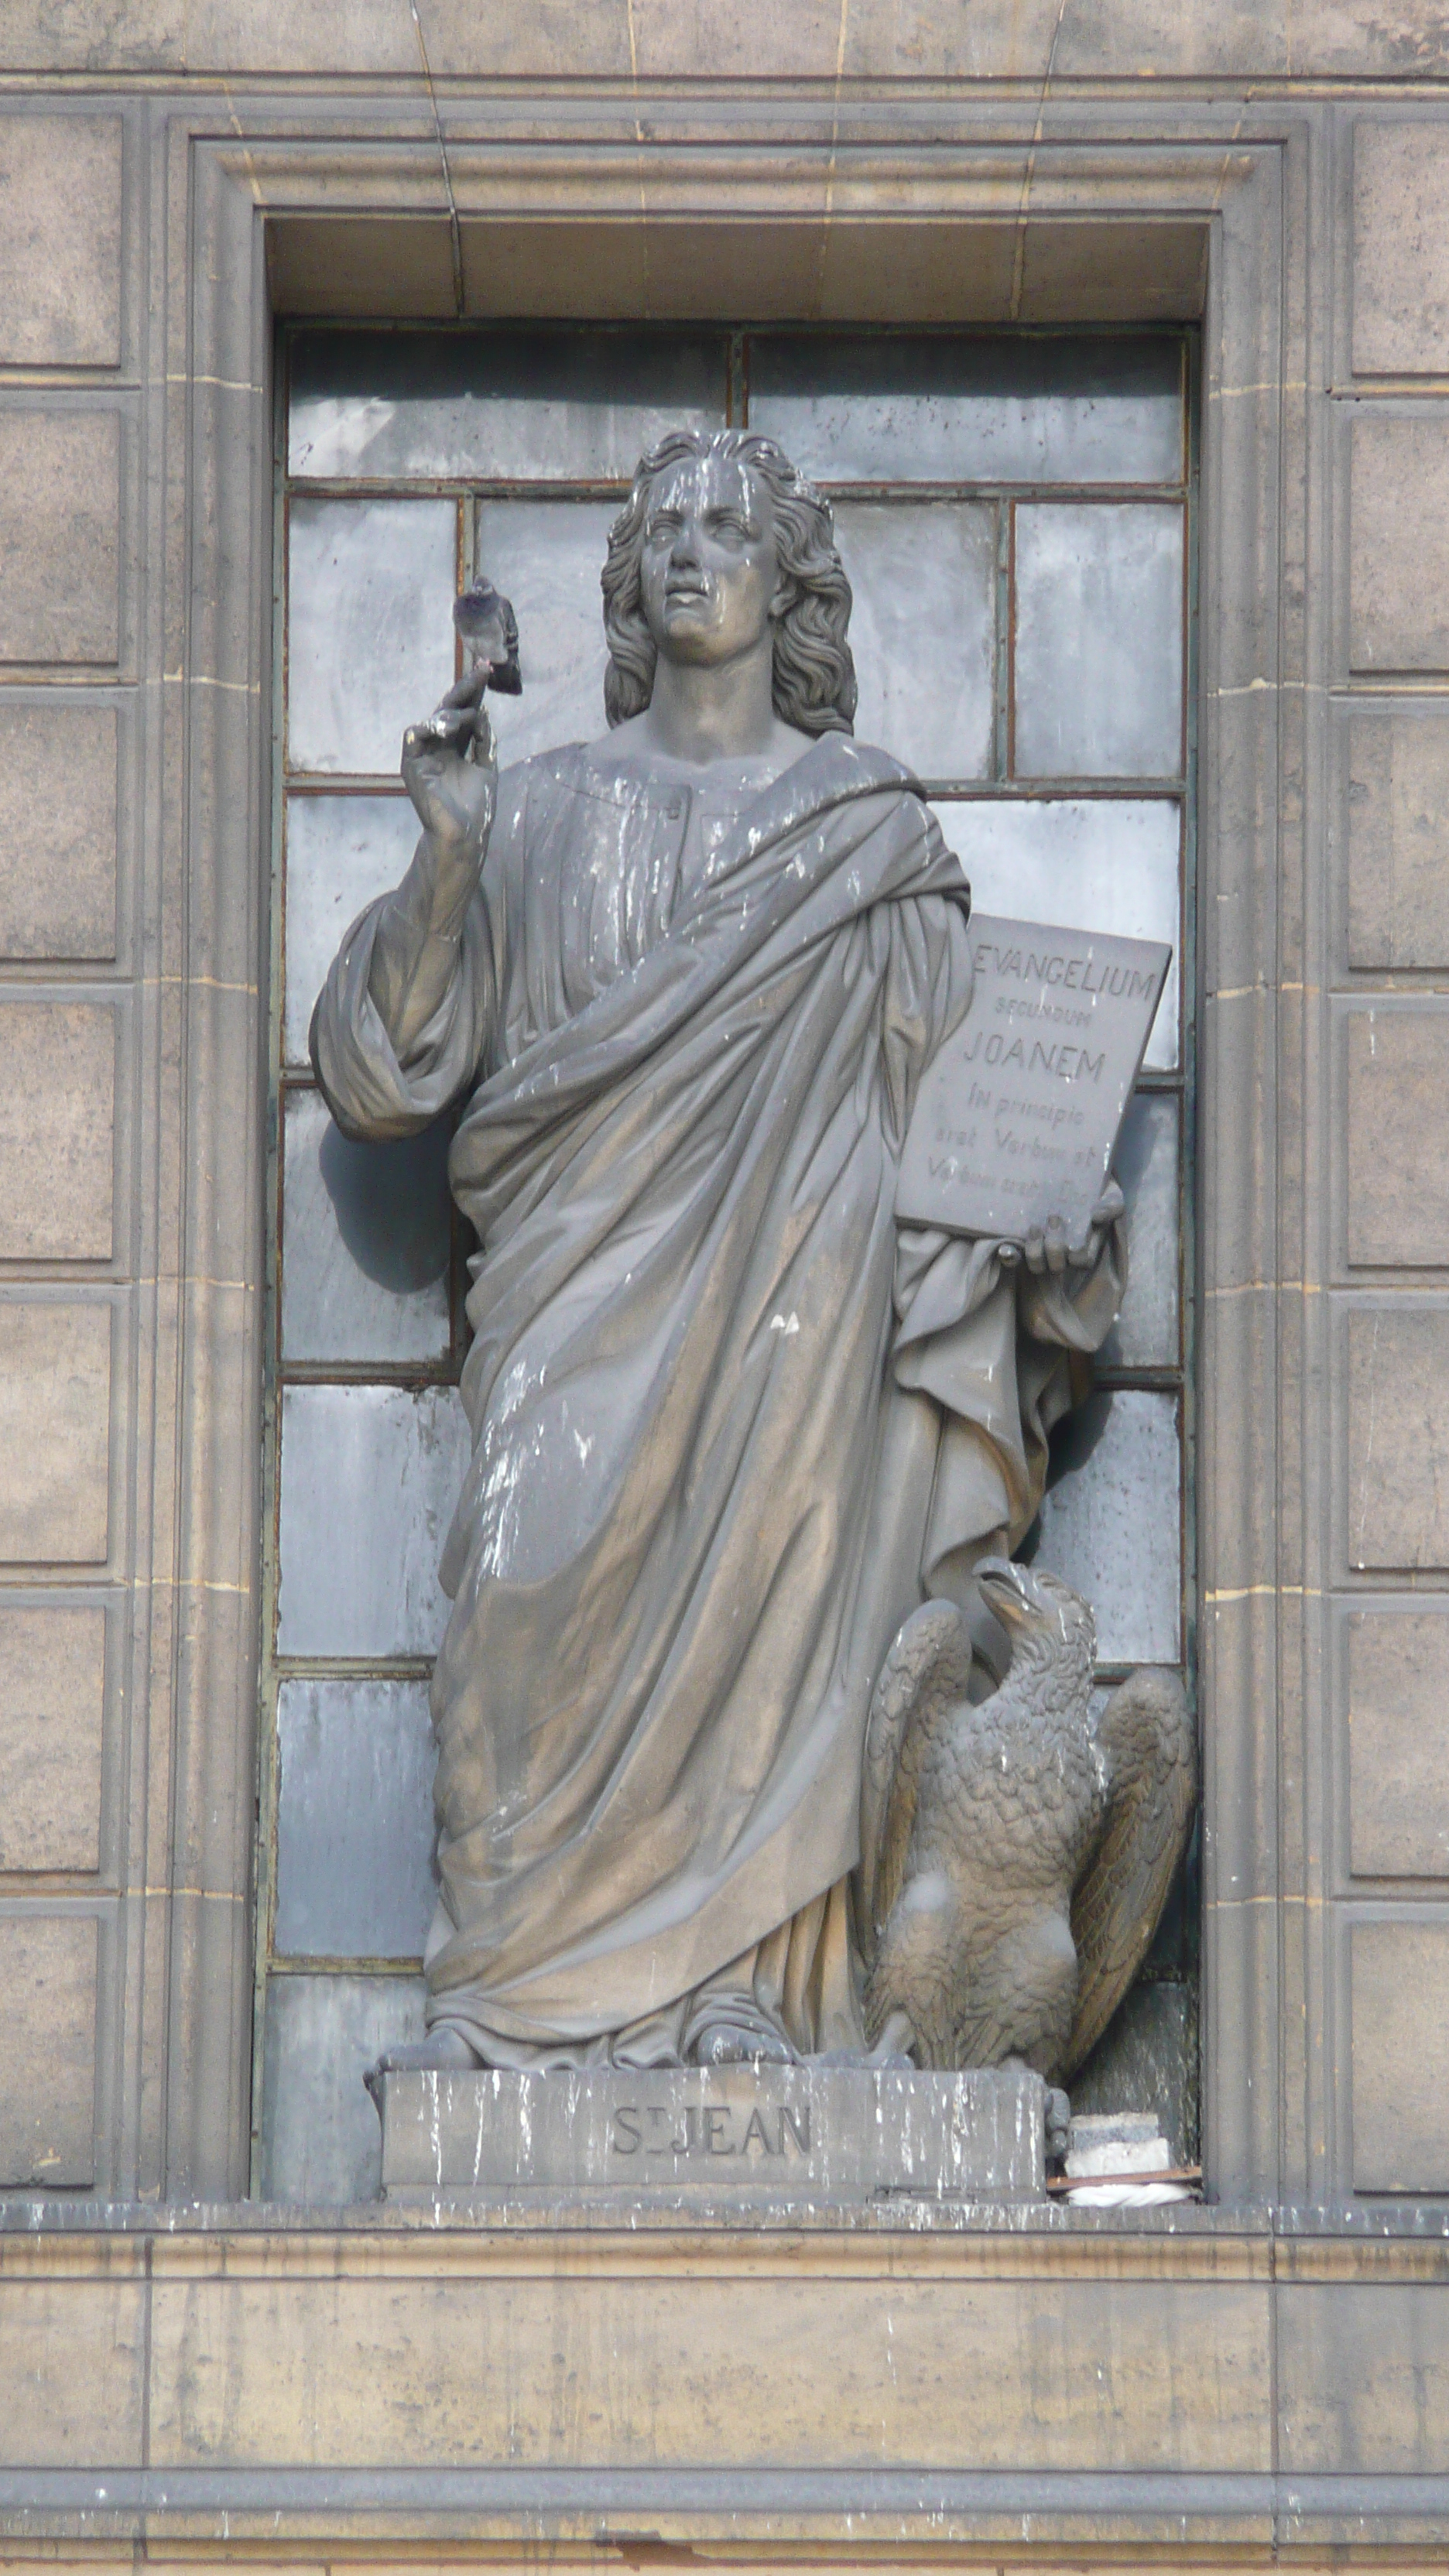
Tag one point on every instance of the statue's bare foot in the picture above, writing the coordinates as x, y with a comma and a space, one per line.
444, 2052
727, 2043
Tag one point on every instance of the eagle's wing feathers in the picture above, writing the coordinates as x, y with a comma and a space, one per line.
1146, 1734
925, 1676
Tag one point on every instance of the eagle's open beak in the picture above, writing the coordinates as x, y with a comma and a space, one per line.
1004, 1590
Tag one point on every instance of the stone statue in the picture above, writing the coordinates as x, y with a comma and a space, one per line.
731, 1424
1016, 1855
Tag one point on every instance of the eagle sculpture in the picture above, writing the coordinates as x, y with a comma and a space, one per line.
1016, 1853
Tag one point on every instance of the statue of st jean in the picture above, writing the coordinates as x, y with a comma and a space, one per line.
731, 1422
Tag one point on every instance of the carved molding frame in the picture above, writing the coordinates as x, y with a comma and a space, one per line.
229, 171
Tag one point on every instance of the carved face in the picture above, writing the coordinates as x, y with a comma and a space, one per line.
709, 573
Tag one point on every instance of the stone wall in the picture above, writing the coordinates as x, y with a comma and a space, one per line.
170, 179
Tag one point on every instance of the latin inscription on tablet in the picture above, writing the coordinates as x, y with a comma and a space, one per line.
1019, 1112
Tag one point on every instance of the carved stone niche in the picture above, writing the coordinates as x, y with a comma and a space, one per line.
782, 1843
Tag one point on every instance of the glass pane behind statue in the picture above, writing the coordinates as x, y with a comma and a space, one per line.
753, 1743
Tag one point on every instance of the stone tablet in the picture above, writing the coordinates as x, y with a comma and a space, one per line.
1018, 1115
829, 2135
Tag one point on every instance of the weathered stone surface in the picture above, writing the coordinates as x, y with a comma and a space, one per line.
1398, 1437
57, 831
1399, 542
55, 1385
52, 1692
1121, 40
57, 1121
1400, 249
1400, 1977
60, 538
778, 2133
737, 2349
60, 241
1398, 796
1398, 1136
48, 2049
1398, 1743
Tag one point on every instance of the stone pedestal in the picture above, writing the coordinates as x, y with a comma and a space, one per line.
756, 2135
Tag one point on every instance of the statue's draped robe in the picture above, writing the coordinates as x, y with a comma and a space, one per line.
724, 1429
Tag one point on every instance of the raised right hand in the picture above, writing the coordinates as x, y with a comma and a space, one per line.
454, 795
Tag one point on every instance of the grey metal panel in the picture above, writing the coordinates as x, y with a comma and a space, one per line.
1111, 1522
321, 2142
1110, 863
1099, 639
1001, 410
366, 1241
504, 405
546, 556
341, 852
370, 590
923, 629
370, 1476
355, 1826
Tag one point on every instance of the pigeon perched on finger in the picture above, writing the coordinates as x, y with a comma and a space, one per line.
489, 631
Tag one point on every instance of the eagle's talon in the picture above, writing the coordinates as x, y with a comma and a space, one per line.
1058, 2124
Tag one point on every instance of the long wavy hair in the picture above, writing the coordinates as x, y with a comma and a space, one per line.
814, 675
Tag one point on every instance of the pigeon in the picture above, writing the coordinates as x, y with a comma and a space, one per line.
1016, 1853
485, 621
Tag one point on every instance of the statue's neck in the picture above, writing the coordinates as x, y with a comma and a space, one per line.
701, 712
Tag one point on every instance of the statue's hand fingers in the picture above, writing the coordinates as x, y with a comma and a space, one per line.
1110, 1205
1056, 1245
447, 728
485, 749
1034, 1251
467, 692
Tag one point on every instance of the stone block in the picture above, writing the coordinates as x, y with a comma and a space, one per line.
1400, 249
60, 536
48, 2049
52, 1705
60, 241
1400, 1985
828, 2355
1398, 1438
369, 265
57, 1130
1399, 542
677, 37
750, 2134
55, 1388
1107, 272
57, 831
94, 37
1398, 801
1398, 1743
1398, 1137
